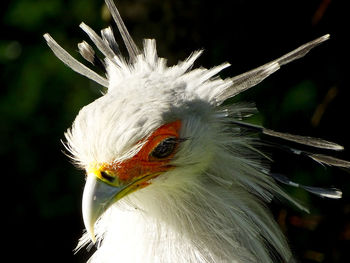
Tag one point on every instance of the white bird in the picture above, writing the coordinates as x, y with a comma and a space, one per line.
173, 175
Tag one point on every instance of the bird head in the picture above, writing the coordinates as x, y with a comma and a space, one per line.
165, 129
145, 128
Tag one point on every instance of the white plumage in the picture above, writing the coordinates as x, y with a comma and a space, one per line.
210, 206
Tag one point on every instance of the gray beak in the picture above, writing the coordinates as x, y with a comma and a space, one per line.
97, 198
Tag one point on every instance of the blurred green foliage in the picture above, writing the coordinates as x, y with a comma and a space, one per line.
40, 98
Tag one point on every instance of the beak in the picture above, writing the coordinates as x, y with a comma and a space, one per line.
97, 198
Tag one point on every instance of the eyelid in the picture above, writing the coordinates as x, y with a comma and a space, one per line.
176, 140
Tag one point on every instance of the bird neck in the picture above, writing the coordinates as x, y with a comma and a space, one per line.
208, 220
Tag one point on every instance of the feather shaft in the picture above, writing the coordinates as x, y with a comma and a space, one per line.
251, 78
98, 41
304, 140
108, 37
329, 160
74, 64
332, 193
129, 42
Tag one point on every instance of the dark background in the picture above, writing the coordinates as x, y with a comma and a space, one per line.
40, 97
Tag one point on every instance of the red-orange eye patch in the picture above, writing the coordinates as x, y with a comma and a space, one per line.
153, 158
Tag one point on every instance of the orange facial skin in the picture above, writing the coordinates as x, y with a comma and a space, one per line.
143, 163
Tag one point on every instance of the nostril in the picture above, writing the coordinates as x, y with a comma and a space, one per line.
107, 176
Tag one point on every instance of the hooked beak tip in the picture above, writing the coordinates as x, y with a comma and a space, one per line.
91, 233
90, 210
97, 198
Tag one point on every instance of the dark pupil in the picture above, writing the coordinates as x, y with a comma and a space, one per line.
165, 148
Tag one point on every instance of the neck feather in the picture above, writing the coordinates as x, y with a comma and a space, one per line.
208, 219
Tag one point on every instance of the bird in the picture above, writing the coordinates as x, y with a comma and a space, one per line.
173, 173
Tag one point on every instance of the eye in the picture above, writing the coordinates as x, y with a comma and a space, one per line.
164, 148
